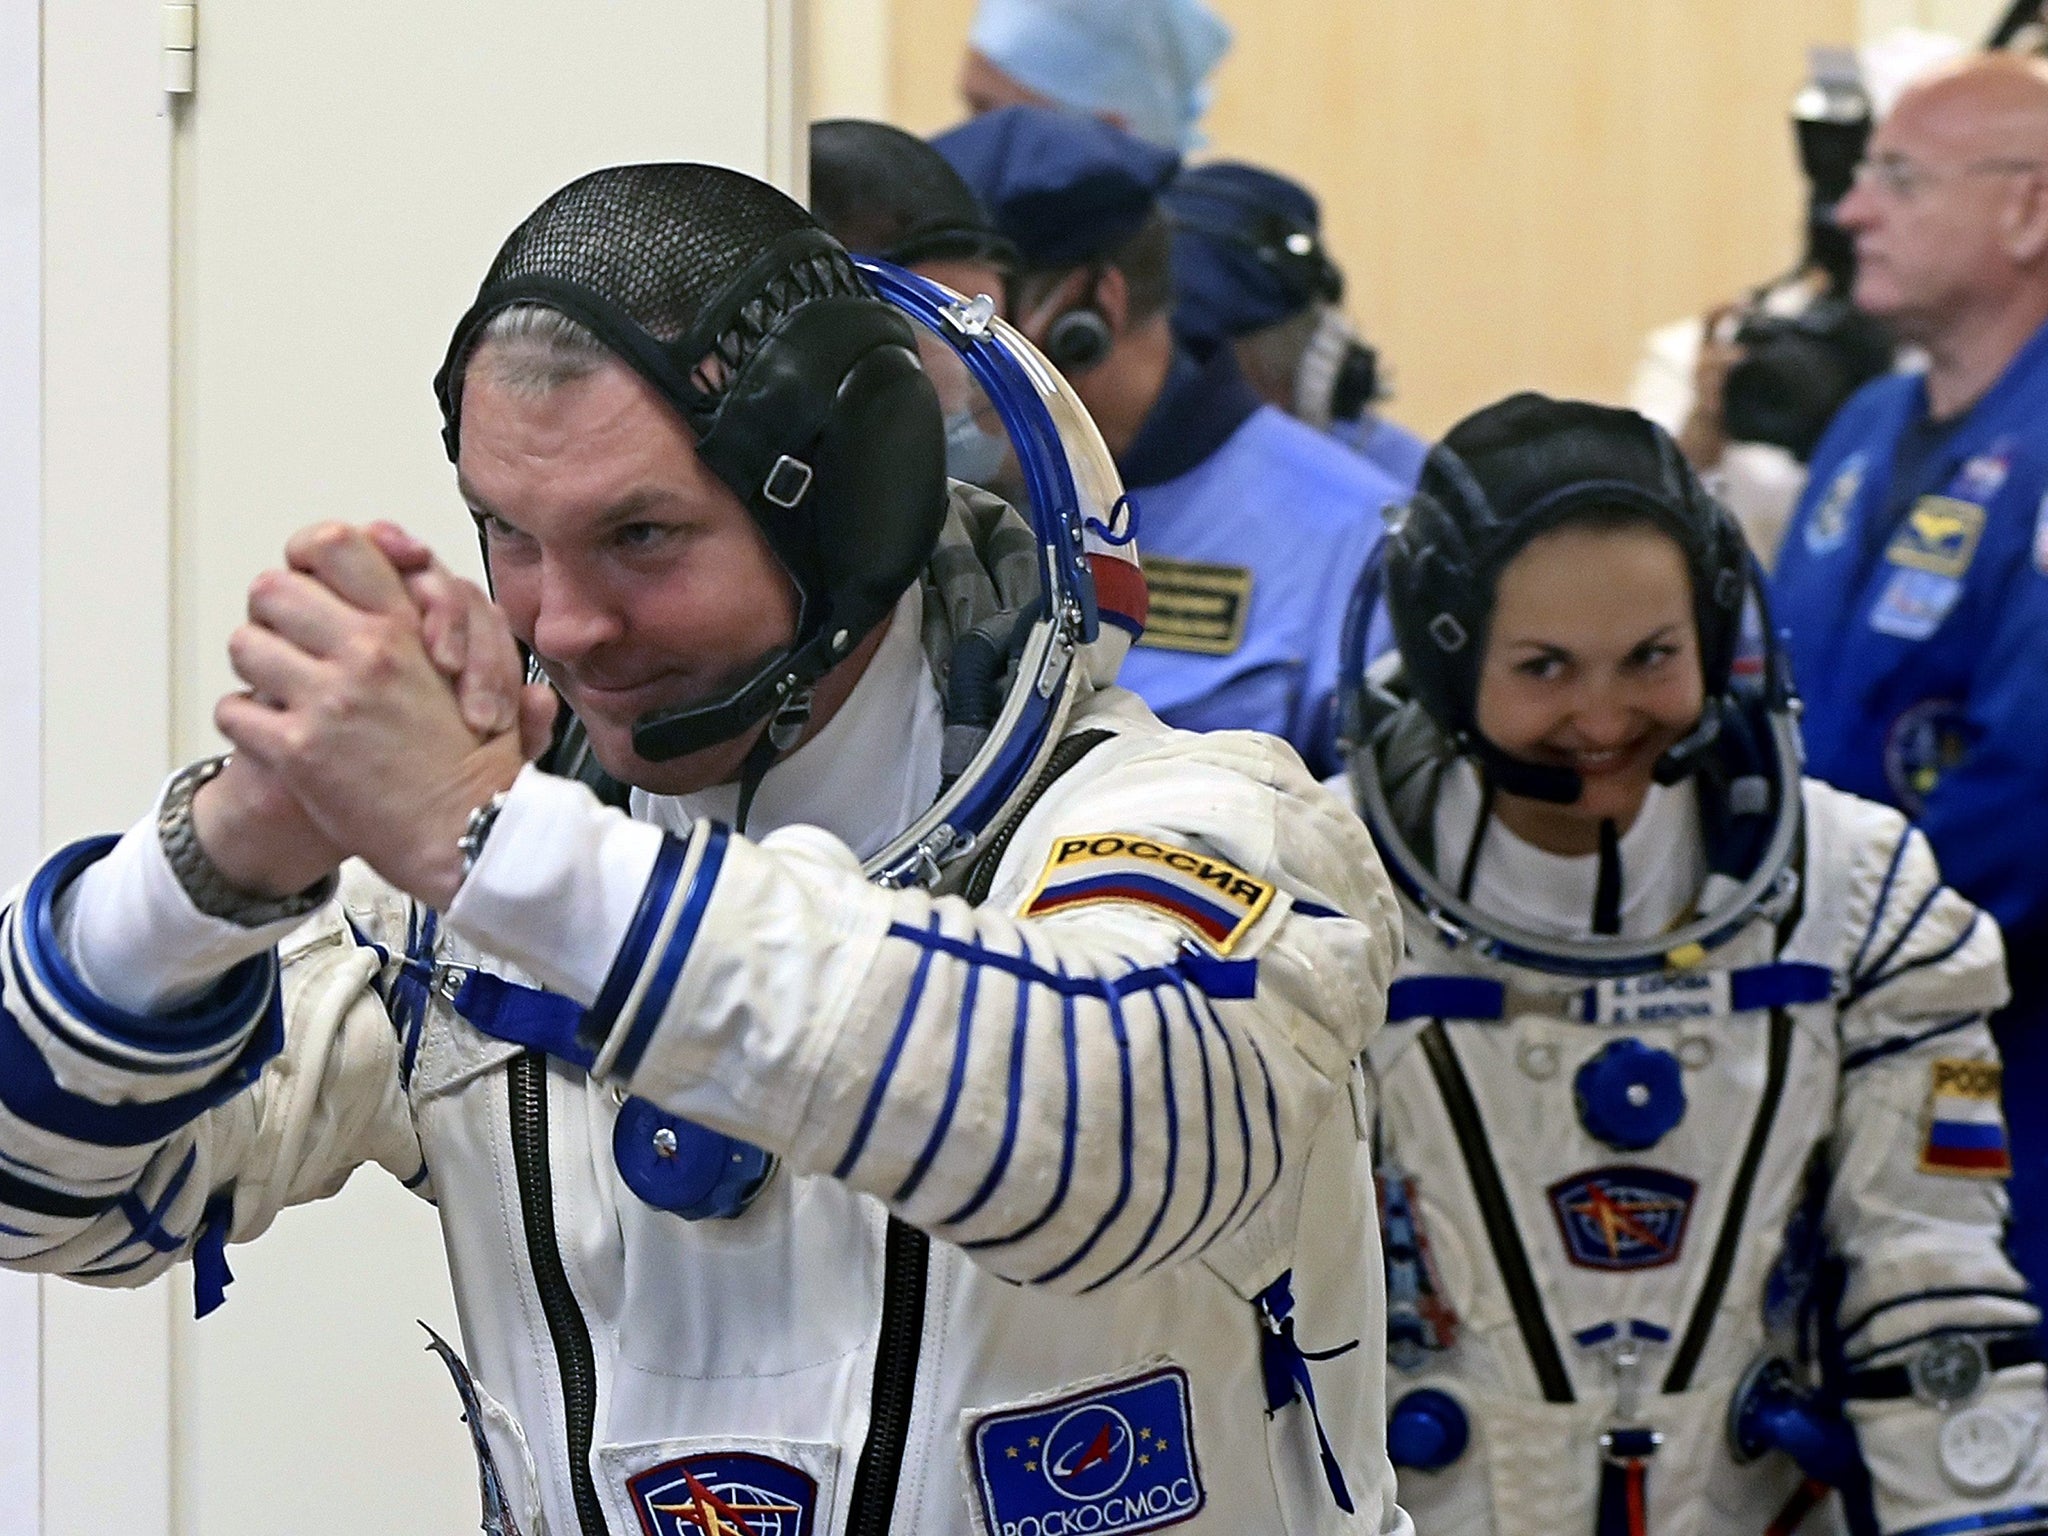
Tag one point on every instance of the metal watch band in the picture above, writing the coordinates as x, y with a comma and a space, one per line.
477, 830
211, 891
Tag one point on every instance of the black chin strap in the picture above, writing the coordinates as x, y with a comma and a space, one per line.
783, 732
1607, 887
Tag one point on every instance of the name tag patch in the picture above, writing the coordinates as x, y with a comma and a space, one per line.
1195, 606
1661, 997
1939, 535
1112, 1459
1623, 1217
1965, 1130
1914, 603
1212, 899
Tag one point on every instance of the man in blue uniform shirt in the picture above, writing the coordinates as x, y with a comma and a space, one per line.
1914, 577
1253, 527
1250, 272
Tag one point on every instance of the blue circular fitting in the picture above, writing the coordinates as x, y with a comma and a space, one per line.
1427, 1430
1630, 1095
676, 1165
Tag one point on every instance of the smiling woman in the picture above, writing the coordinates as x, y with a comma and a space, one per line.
1665, 1008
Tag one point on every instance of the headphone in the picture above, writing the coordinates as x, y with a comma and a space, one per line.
827, 430
1079, 338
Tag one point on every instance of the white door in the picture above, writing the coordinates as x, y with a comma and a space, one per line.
337, 182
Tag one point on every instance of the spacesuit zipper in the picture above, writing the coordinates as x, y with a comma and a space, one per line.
528, 1080
1722, 1264
905, 1254
1064, 756
1502, 1235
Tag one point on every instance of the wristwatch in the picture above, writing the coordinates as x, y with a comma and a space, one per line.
481, 820
210, 890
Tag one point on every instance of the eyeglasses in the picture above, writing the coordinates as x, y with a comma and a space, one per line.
1902, 178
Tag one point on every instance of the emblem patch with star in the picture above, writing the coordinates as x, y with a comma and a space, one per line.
1622, 1218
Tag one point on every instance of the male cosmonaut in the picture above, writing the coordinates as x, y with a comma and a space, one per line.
1010, 1182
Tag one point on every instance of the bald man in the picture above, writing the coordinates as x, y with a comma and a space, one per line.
1914, 576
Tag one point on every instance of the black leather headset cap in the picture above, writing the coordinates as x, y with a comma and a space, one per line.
801, 388
1517, 469
886, 193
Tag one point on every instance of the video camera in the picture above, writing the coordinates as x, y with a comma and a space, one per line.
1798, 368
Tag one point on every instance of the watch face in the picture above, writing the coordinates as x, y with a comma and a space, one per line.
1945, 1372
1981, 1449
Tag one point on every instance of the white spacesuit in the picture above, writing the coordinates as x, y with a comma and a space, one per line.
1050, 1201
1688, 1221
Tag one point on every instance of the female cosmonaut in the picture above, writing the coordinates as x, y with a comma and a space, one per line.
1687, 1117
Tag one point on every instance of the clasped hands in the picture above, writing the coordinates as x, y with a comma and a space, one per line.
385, 701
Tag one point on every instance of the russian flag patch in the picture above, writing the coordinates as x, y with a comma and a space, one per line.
1965, 1130
1212, 899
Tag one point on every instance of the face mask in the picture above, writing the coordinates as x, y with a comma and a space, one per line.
1338, 376
972, 454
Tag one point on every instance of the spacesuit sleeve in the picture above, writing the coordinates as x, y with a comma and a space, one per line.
1114, 1062
1986, 815
129, 1141
1917, 1204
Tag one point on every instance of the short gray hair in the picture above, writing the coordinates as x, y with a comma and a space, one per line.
531, 350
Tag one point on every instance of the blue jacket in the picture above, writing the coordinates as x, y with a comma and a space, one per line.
1386, 444
1914, 585
1253, 528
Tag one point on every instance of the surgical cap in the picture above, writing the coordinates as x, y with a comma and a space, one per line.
1246, 252
1066, 189
1145, 60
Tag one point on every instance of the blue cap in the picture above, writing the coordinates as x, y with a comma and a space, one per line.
1066, 189
1144, 60
1247, 252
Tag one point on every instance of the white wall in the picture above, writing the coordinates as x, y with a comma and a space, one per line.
243, 306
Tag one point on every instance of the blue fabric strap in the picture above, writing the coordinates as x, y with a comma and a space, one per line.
1781, 984
540, 1021
210, 1273
1778, 984
1287, 1375
1446, 997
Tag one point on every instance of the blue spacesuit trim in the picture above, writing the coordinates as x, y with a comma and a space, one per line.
662, 986
31, 1092
632, 956
1445, 997
1208, 1131
187, 1039
1012, 1112
1877, 908
956, 1080
2004, 1517
871, 1110
1126, 1137
1070, 1136
1861, 981
1171, 1103
1244, 1115
1477, 1000
145, 1222
412, 988
1272, 1123
417, 1179
1863, 989
1900, 1043
58, 1204
1935, 1293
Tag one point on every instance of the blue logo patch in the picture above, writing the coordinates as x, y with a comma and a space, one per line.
724, 1493
1939, 534
1829, 524
1623, 1218
1109, 1461
1923, 744
1914, 603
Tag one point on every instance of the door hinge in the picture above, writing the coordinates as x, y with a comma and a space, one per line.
181, 46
